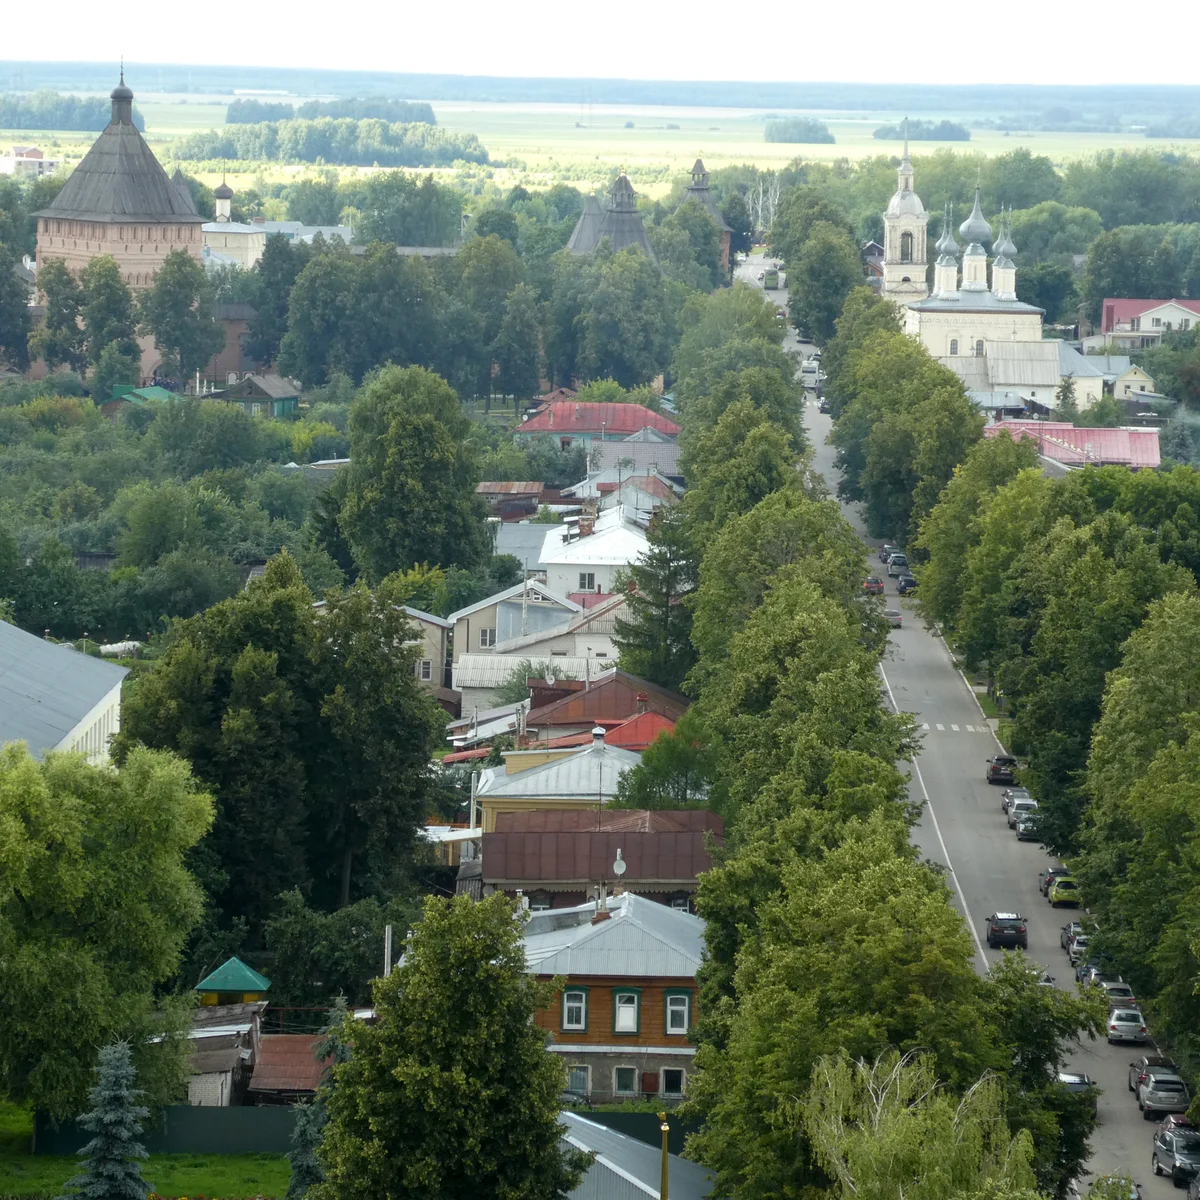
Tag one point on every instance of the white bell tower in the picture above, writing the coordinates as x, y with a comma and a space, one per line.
904, 250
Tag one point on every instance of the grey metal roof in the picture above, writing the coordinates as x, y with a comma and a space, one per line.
495, 669
185, 193
969, 302
590, 774
514, 591
641, 456
46, 689
119, 179
523, 540
586, 233
641, 939
628, 1169
431, 618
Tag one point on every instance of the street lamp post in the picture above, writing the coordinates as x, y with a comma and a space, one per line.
662, 1189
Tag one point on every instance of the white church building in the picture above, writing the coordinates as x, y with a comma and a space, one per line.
974, 325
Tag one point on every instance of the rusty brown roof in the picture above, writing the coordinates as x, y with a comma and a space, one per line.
579, 857
613, 697
611, 820
506, 488
286, 1063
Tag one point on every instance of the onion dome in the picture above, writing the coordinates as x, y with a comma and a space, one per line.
223, 191
121, 92
975, 230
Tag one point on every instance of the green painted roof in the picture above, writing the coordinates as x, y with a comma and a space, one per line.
141, 395
234, 976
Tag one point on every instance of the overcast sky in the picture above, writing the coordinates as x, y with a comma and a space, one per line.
1024, 41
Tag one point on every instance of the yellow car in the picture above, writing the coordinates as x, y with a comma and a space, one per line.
1064, 890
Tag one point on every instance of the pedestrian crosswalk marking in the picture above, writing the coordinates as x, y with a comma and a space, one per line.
970, 728
954, 727
942, 727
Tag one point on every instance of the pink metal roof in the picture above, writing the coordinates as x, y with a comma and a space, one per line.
1076, 446
568, 416
1120, 311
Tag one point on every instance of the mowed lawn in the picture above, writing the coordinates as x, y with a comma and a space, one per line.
223, 1176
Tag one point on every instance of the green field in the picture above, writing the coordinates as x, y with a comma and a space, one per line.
583, 144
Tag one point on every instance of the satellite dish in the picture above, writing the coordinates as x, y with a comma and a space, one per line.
619, 865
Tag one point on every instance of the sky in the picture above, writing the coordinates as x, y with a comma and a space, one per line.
1020, 42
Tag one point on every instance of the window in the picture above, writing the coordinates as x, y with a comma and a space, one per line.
487, 638
979, 348
681, 904
625, 1081
575, 1010
565, 443
672, 1082
577, 1081
954, 345
626, 1006
679, 1012
425, 669
1156, 322
1135, 324
539, 901
906, 247
1141, 387
587, 581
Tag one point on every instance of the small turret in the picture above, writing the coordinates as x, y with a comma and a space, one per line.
223, 195
1004, 270
945, 271
122, 102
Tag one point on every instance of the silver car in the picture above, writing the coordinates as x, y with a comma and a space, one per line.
1013, 793
1127, 1025
1119, 994
898, 564
1078, 948
1162, 1093
1020, 808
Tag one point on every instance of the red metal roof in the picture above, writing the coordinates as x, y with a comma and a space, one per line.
589, 599
459, 756
635, 734
568, 416
1120, 311
1076, 446
285, 1063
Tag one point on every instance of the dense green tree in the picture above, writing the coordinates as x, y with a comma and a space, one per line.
312, 732
703, 237
1020, 179
654, 638
177, 310
410, 494
677, 770
112, 1159
320, 321
865, 312
58, 340
498, 221
737, 217
109, 312
738, 314
95, 905
14, 313
820, 278
488, 268
516, 349
277, 271
114, 368
801, 210
1052, 231
1051, 287
407, 210
414, 1109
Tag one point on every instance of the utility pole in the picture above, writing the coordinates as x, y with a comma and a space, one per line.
662, 1188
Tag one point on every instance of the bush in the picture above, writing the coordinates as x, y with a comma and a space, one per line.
799, 129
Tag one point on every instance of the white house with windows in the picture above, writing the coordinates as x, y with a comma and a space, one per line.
434, 646
628, 1004
585, 553
517, 611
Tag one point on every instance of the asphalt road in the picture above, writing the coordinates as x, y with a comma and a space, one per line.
964, 829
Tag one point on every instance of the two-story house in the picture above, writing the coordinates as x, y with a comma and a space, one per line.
571, 423
623, 1020
585, 554
1132, 324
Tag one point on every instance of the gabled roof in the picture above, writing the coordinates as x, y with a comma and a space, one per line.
591, 774
1065, 443
613, 697
614, 541
119, 179
635, 734
287, 1062
47, 689
600, 619
508, 594
641, 456
273, 386
429, 618
641, 939
1119, 310
233, 976
1115, 365
571, 416
495, 669
611, 820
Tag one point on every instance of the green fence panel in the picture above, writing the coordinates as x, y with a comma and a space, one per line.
645, 1127
188, 1129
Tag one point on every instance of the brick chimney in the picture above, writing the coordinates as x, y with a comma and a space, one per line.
643, 703
587, 526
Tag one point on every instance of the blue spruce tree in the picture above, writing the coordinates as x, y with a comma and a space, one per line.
112, 1159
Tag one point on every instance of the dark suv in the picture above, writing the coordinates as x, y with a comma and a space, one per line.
1176, 1153
1007, 929
1002, 769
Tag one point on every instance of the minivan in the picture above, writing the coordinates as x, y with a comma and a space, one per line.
898, 564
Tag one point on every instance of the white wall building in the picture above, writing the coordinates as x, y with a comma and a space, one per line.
904, 236
585, 554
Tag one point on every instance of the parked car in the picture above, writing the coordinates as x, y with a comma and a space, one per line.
1064, 890
1047, 876
1176, 1153
1026, 828
1013, 793
1068, 933
1020, 807
1077, 950
1127, 1025
1142, 1066
892, 617
873, 585
1007, 929
1081, 1085
887, 550
1119, 993
823, 407
898, 564
906, 584
1085, 970
1000, 769
1163, 1092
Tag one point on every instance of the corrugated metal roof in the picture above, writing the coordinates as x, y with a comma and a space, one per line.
286, 1062
1119, 311
641, 939
1072, 445
510, 593
614, 696
47, 689
582, 856
590, 774
1023, 364
634, 820
509, 488
492, 670
627, 1169
635, 734
640, 456
570, 416
419, 615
